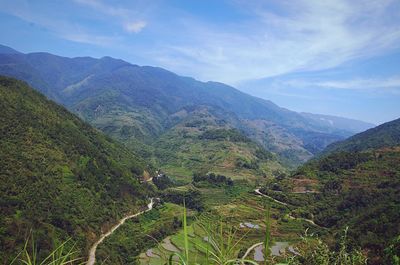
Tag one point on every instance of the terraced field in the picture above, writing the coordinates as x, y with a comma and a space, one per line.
246, 216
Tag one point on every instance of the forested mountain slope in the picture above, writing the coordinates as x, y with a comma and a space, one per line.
356, 183
59, 177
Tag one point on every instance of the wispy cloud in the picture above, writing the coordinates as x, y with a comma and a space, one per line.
104, 8
267, 38
90, 38
284, 37
57, 25
128, 17
297, 86
65, 25
377, 83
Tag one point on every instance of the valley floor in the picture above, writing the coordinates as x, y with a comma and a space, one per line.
241, 208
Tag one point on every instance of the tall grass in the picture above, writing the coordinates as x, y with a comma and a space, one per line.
184, 260
62, 255
267, 237
221, 248
185, 231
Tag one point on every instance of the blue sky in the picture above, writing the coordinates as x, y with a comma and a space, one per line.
332, 57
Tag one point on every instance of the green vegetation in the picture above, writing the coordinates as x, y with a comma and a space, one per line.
209, 148
139, 234
59, 177
359, 190
355, 189
220, 245
191, 196
163, 182
212, 241
313, 251
243, 220
225, 135
392, 252
213, 179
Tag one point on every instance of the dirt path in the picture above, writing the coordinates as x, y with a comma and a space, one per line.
257, 191
92, 252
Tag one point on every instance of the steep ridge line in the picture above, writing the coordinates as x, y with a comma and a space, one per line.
92, 252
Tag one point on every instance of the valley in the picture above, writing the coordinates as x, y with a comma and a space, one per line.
244, 208
127, 164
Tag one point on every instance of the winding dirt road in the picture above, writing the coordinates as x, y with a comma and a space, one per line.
92, 252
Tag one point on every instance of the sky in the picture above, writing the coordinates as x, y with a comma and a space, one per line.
337, 57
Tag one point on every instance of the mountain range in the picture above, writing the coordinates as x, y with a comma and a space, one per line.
144, 106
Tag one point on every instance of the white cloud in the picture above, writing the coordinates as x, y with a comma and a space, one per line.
302, 36
135, 27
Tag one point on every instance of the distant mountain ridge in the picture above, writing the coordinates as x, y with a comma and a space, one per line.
138, 104
345, 124
384, 135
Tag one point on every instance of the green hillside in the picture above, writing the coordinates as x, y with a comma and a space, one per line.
59, 177
360, 190
355, 185
203, 141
